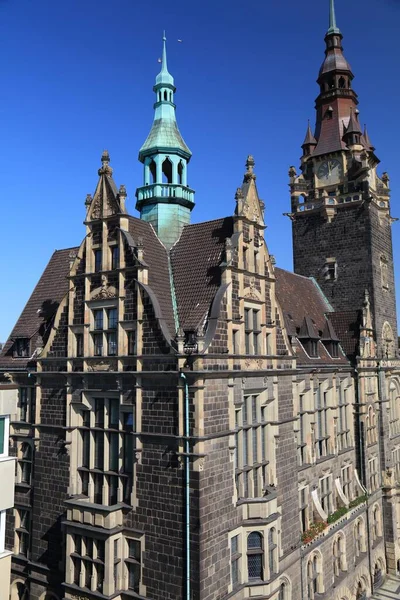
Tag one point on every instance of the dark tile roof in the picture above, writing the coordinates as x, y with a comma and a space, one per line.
305, 308
347, 326
195, 262
156, 257
41, 306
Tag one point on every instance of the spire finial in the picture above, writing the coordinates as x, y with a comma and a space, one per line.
164, 76
333, 28
164, 67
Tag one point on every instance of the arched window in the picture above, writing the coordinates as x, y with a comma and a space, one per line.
378, 574
255, 555
165, 95
342, 82
312, 577
19, 591
376, 523
25, 463
180, 172
339, 555
371, 431
272, 551
359, 537
152, 168
284, 591
167, 171
394, 424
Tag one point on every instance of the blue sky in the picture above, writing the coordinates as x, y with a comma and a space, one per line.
77, 77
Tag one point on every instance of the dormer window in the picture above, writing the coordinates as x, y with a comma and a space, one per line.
330, 269
21, 348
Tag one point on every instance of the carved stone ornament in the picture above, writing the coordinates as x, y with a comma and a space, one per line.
105, 291
202, 460
100, 366
255, 364
252, 293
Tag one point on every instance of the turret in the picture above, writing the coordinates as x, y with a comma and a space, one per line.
165, 200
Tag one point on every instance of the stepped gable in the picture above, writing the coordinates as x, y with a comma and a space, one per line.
156, 257
302, 302
41, 306
196, 259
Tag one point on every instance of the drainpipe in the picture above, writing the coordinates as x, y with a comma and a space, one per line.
187, 485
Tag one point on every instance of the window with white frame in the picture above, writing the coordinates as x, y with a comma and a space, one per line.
22, 531
359, 536
314, 576
373, 474
339, 555
346, 478
325, 494
252, 328
253, 440
104, 331
396, 463
304, 508
106, 452
342, 422
321, 409
4, 435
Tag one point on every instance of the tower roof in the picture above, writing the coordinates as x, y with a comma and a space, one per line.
333, 29
354, 125
164, 77
309, 140
164, 135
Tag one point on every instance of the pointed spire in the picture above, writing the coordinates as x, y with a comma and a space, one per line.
250, 164
309, 140
164, 77
354, 125
333, 29
367, 141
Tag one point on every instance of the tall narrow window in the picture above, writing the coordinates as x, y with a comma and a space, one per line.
25, 463
304, 509
98, 260
22, 530
235, 558
133, 565
3, 435
325, 494
272, 551
115, 257
255, 555
252, 326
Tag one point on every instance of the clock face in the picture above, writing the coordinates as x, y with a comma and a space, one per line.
329, 171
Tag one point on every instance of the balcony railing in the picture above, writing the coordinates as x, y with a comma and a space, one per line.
165, 190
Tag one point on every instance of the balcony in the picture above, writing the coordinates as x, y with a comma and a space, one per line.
164, 192
7, 477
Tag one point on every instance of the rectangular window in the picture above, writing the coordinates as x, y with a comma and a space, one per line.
112, 344
97, 260
346, 481
21, 348
325, 494
330, 269
235, 558
132, 563
98, 344
2, 435
132, 342
252, 326
23, 404
304, 508
79, 344
98, 319
23, 524
112, 318
115, 257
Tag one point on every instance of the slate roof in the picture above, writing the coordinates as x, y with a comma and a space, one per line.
41, 306
156, 257
304, 306
164, 135
195, 260
347, 326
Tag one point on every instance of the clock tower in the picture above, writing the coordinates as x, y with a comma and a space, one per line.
340, 206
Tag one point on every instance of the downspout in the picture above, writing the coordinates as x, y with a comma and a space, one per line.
187, 485
363, 471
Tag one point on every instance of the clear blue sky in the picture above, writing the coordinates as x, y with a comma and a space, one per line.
77, 77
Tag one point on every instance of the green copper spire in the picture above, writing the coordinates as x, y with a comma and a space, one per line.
165, 200
332, 19
164, 77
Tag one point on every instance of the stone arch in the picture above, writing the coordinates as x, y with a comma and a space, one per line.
376, 521
285, 588
339, 553
19, 590
314, 574
362, 577
359, 534
343, 593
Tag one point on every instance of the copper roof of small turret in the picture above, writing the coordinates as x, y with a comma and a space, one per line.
366, 140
